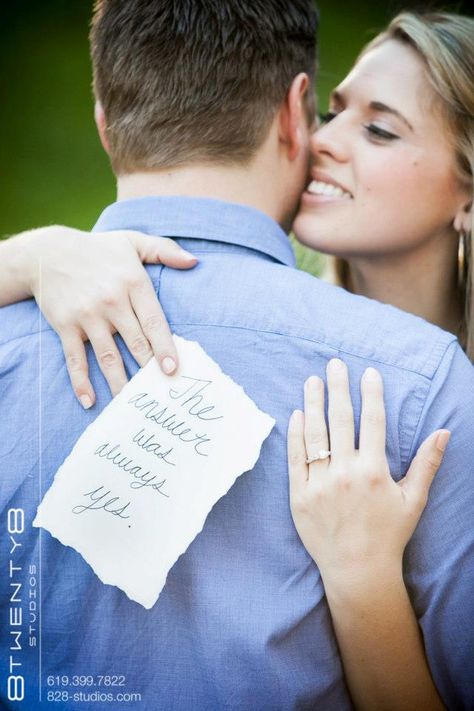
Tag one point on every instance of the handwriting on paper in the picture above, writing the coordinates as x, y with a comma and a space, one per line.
141, 480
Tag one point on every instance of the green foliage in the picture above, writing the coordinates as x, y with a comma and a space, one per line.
307, 259
54, 169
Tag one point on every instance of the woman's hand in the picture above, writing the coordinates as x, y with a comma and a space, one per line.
352, 517
355, 521
90, 286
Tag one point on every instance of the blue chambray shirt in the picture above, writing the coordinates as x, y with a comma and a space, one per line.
242, 622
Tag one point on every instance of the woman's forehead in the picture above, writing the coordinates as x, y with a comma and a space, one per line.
392, 73
391, 64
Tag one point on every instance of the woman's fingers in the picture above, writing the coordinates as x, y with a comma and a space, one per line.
128, 326
76, 362
372, 419
153, 324
340, 412
160, 250
82, 301
297, 467
315, 430
417, 481
108, 357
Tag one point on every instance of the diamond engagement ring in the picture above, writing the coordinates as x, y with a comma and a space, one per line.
322, 454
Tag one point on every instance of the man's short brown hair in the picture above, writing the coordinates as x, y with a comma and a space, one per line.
182, 81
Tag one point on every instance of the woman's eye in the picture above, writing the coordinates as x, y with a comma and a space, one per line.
380, 133
325, 118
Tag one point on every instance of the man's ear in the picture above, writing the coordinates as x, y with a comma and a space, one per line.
293, 129
101, 124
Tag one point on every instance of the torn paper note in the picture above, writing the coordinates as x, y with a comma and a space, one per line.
138, 485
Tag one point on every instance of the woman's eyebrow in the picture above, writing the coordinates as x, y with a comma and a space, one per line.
379, 106
338, 98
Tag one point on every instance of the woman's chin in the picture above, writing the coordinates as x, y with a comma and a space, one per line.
307, 230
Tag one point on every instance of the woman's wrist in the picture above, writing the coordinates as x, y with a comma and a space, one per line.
24, 253
20, 267
32, 245
363, 583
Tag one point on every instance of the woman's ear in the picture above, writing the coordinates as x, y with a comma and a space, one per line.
463, 218
101, 124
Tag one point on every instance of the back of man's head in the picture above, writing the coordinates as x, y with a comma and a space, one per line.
186, 81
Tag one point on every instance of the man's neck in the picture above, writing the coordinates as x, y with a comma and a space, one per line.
242, 185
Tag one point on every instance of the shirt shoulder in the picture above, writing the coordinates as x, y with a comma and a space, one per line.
246, 291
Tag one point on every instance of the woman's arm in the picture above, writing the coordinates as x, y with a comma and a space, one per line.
355, 522
14, 269
90, 286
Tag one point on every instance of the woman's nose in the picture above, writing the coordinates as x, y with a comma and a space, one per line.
331, 139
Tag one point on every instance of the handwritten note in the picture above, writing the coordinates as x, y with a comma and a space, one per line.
138, 485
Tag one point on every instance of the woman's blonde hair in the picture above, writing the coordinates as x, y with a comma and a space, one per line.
445, 42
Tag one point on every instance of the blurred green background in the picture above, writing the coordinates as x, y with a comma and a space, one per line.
53, 167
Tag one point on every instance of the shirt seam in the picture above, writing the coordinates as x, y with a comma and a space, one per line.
256, 255
275, 333
423, 408
157, 282
315, 340
261, 253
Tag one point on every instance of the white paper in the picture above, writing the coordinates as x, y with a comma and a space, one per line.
138, 485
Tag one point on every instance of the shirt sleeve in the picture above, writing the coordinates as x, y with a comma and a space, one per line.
439, 559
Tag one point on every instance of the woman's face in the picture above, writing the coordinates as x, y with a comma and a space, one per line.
384, 169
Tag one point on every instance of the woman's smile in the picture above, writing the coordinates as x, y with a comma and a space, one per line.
379, 153
324, 189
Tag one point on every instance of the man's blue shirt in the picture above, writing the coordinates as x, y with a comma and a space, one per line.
242, 622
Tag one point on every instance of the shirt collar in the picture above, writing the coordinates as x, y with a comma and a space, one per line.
200, 218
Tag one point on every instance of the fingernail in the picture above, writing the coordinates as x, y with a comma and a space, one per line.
313, 382
187, 255
442, 440
85, 401
168, 365
336, 364
372, 375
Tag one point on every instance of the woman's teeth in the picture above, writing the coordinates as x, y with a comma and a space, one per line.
316, 187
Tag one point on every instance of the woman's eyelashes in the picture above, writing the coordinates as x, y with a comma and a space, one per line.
375, 132
380, 134
328, 116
